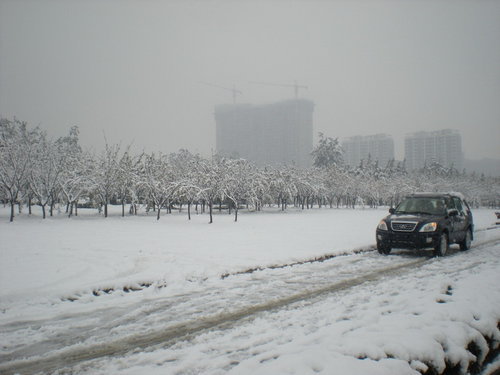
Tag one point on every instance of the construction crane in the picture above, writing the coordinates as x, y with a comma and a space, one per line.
296, 86
233, 90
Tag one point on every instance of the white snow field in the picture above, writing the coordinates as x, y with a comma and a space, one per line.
134, 295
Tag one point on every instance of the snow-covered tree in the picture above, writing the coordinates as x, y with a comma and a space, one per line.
33, 167
282, 186
211, 182
159, 181
258, 190
76, 181
237, 183
104, 175
306, 186
75, 170
45, 171
15, 149
128, 169
187, 166
327, 152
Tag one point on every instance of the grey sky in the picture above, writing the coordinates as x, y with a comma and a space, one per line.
132, 69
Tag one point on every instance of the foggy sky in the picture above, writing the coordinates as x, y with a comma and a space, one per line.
133, 70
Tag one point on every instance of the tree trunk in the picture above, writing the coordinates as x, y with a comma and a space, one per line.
123, 207
76, 208
43, 211
158, 213
12, 204
106, 209
29, 205
210, 210
189, 211
236, 214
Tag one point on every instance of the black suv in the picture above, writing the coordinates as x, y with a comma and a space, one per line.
427, 220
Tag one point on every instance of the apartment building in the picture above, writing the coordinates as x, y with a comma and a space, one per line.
443, 146
378, 147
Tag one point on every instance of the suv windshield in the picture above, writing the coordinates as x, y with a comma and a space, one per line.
421, 205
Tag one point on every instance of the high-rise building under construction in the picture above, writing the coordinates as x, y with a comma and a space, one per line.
271, 134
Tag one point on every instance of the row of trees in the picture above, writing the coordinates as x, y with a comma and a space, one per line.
37, 170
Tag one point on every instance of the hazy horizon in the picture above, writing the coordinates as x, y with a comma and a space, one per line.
136, 71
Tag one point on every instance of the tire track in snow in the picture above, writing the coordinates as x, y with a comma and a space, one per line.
318, 259
330, 256
186, 330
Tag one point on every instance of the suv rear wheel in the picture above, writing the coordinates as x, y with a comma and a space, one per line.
465, 244
441, 247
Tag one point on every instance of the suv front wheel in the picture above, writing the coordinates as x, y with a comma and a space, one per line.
383, 249
441, 247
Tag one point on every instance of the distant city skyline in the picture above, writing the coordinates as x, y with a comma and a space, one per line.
379, 147
135, 71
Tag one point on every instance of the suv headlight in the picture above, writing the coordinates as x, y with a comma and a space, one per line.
382, 225
429, 227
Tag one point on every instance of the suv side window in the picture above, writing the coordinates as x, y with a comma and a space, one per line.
467, 208
450, 204
459, 206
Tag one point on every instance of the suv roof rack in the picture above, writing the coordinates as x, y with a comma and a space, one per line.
438, 194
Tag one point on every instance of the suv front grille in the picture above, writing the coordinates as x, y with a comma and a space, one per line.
403, 226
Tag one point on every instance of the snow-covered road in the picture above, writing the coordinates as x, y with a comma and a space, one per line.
356, 313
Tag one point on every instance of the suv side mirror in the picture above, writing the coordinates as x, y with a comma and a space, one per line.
453, 212
392, 210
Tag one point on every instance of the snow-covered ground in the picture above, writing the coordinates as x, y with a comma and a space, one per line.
46, 260
136, 295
